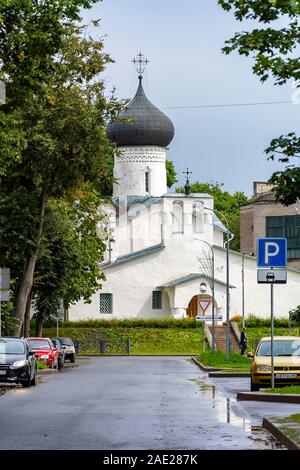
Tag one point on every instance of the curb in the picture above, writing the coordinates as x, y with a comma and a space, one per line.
46, 371
203, 367
133, 355
228, 374
279, 435
268, 397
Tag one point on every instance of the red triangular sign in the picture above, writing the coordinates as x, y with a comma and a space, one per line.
204, 305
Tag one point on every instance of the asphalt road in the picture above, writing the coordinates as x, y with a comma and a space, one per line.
129, 403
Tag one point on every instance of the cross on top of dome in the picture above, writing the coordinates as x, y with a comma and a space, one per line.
140, 64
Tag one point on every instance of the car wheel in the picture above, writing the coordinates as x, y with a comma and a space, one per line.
27, 383
254, 387
33, 381
72, 358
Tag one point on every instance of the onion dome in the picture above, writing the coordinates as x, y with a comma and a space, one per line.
146, 124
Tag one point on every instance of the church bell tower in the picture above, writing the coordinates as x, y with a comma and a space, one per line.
142, 134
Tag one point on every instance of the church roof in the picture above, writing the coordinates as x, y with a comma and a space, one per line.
141, 123
192, 277
136, 254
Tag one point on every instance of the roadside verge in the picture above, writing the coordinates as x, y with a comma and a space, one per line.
285, 430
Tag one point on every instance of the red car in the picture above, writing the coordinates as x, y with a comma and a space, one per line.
44, 351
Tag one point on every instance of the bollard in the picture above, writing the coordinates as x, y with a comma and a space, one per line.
128, 346
102, 346
77, 346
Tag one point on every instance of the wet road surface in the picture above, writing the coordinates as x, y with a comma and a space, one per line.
131, 403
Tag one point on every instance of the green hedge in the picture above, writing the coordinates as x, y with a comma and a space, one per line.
128, 323
255, 322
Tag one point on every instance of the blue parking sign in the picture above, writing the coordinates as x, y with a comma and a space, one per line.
271, 252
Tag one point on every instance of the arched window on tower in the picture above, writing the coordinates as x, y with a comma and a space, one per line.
178, 224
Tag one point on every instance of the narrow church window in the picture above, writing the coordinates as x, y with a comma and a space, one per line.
147, 186
106, 303
177, 217
156, 300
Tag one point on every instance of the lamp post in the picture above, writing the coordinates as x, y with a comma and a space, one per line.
215, 211
203, 290
212, 291
243, 290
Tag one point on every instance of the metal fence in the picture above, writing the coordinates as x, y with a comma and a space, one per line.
102, 347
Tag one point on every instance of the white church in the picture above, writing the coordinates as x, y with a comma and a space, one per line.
164, 242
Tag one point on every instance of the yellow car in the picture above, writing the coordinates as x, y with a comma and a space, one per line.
286, 362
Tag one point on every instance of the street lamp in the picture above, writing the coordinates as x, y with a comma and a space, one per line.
203, 290
215, 211
212, 291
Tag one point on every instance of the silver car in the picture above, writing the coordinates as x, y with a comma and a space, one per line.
68, 347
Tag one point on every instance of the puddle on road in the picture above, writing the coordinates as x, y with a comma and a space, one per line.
225, 414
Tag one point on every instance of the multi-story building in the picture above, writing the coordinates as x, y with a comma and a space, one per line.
265, 217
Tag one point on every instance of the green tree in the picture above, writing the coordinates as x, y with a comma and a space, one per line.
171, 173
56, 100
274, 50
226, 203
73, 247
295, 315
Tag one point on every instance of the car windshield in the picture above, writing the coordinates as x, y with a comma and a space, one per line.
66, 341
11, 347
281, 348
38, 344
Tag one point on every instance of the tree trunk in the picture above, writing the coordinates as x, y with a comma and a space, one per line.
27, 316
27, 280
39, 326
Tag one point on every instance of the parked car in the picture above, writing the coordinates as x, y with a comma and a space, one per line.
45, 350
17, 362
61, 351
69, 348
286, 362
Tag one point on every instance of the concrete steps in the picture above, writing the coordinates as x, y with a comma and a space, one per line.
220, 339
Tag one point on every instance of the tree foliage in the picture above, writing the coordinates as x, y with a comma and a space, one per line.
171, 173
55, 114
226, 203
274, 50
295, 315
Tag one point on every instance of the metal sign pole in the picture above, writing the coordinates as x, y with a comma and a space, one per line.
203, 343
272, 336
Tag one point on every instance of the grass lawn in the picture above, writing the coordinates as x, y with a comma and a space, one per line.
295, 418
280, 390
218, 359
142, 340
41, 365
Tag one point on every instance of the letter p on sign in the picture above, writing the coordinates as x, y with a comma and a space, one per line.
271, 252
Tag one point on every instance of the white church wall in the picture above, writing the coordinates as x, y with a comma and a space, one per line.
257, 296
132, 282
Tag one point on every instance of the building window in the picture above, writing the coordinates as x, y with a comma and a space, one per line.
106, 303
286, 227
156, 300
147, 185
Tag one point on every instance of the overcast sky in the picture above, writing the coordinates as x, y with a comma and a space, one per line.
183, 41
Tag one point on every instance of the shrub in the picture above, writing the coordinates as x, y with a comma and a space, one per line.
295, 315
256, 322
8, 324
129, 323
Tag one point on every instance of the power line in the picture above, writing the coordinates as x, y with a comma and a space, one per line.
229, 105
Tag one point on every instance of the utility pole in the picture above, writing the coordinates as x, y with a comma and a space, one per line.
227, 280
243, 290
